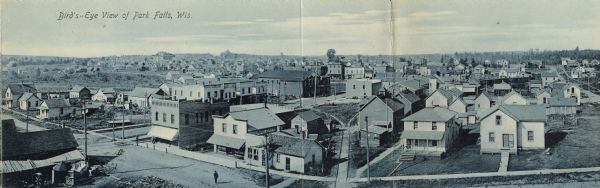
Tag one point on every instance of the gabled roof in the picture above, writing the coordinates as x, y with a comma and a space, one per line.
409, 97
391, 103
15, 144
558, 88
450, 94
520, 112
26, 96
308, 115
77, 88
259, 118
485, 94
143, 91
431, 114
294, 146
57, 103
509, 94
18, 88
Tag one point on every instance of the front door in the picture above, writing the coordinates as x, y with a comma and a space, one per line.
508, 141
287, 163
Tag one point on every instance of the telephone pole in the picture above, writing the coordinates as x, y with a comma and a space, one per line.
27, 116
123, 123
85, 132
368, 160
267, 159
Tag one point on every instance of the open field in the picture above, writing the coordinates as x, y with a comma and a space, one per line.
575, 148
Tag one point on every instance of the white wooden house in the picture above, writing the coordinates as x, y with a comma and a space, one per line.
513, 127
430, 131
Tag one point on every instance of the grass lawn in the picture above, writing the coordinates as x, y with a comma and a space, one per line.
309, 183
575, 149
464, 160
490, 181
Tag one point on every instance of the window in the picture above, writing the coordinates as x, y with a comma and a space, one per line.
498, 120
277, 158
208, 95
434, 143
530, 135
235, 127
197, 117
190, 93
156, 116
415, 125
224, 127
492, 137
544, 100
164, 117
433, 126
363, 86
255, 151
572, 90
287, 163
353, 86
62, 110
187, 119
172, 118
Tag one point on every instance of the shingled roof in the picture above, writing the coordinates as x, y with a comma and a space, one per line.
293, 146
431, 114
16, 145
260, 118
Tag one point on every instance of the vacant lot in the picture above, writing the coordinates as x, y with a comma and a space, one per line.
574, 148
342, 111
464, 160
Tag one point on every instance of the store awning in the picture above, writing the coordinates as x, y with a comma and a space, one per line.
226, 141
422, 135
169, 134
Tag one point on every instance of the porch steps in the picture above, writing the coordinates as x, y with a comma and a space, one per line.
408, 156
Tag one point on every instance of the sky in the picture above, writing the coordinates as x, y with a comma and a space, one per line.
300, 27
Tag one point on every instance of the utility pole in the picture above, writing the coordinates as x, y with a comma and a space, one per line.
123, 124
113, 128
368, 161
85, 132
267, 159
315, 94
27, 117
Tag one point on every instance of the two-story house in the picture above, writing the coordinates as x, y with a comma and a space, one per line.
241, 133
430, 131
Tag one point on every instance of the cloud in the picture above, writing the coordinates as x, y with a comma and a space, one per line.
424, 14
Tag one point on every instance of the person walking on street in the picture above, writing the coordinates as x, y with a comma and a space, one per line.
216, 176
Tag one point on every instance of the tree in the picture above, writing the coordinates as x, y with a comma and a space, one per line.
38, 73
331, 54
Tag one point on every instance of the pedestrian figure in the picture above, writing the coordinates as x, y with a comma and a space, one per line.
216, 176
